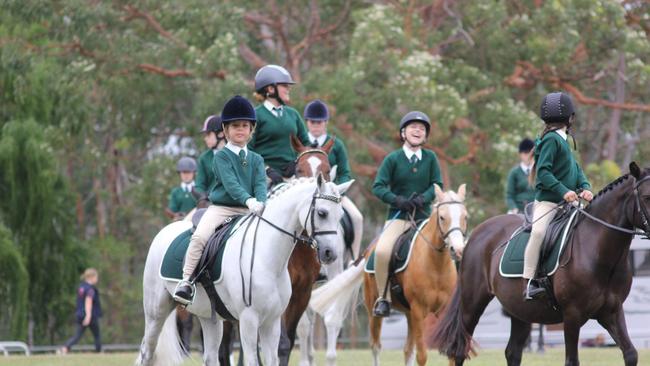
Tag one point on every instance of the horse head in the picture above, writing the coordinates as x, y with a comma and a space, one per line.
451, 216
320, 214
641, 215
312, 160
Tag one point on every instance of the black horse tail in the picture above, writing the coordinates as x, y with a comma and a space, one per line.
450, 336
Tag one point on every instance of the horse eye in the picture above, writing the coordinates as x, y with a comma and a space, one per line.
322, 213
442, 218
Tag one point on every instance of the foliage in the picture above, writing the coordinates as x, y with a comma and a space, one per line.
34, 202
13, 288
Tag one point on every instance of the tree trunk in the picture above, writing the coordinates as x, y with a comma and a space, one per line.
615, 120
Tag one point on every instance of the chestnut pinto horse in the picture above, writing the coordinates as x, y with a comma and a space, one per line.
428, 280
592, 282
304, 265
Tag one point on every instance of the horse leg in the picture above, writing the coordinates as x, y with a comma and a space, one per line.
519, 335
225, 349
409, 346
374, 323
304, 330
212, 332
615, 325
333, 329
572, 324
269, 340
156, 312
248, 328
416, 328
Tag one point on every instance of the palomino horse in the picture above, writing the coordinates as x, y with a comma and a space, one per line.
592, 281
304, 264
428, 280
255, 287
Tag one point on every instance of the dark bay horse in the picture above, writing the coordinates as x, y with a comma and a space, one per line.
592, 282
304, 265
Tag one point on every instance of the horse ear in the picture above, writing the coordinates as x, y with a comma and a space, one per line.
461, 192
439, 193
333, 173
343, 187
635, 170
297, 144
328, 145
320, 180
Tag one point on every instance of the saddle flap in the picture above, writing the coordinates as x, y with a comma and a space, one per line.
214, 245
556, 229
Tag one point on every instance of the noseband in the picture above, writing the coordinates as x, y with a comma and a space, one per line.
451, 230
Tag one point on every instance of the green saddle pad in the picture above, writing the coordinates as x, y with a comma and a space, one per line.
403, 254
512, 260
171, 268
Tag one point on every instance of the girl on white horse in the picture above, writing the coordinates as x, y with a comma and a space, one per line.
240, 186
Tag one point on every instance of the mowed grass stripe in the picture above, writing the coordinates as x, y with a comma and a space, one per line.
555, 356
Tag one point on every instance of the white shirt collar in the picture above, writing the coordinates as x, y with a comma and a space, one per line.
525, 168
410, 152
187, 186
273, 109
236, 149
320, 139
562, 133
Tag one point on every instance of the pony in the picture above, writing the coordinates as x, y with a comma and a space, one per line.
427, 282
592, 281
255, 287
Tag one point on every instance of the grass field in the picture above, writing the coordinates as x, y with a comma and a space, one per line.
590, 357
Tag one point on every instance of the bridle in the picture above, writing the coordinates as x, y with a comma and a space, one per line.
310, 151
443, 235
640, 208
309, 239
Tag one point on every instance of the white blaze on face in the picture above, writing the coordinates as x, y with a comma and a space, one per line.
314, 163
455, 238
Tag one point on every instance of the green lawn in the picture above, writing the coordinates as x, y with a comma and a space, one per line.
590, 357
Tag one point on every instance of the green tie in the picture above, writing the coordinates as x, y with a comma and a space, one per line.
242, 157
414, 159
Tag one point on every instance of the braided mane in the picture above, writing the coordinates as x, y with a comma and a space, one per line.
611, 185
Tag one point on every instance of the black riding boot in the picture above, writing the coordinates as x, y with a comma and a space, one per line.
533, 290
381, 308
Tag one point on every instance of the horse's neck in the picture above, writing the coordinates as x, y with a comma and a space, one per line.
276, 246
429, 240
596, 238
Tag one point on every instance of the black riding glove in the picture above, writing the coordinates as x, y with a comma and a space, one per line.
289, 170
403, 204
417, 201
274, 176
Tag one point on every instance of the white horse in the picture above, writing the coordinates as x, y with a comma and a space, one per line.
309, 205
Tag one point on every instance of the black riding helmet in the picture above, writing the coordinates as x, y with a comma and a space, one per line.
526, 145
272, 75
556, 107
212, 124
316, 110
414, 116
236, 109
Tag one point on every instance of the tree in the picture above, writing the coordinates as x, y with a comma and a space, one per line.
34, 203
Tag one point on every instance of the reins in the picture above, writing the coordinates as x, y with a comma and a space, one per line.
310, 239
443, 235
640, 208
